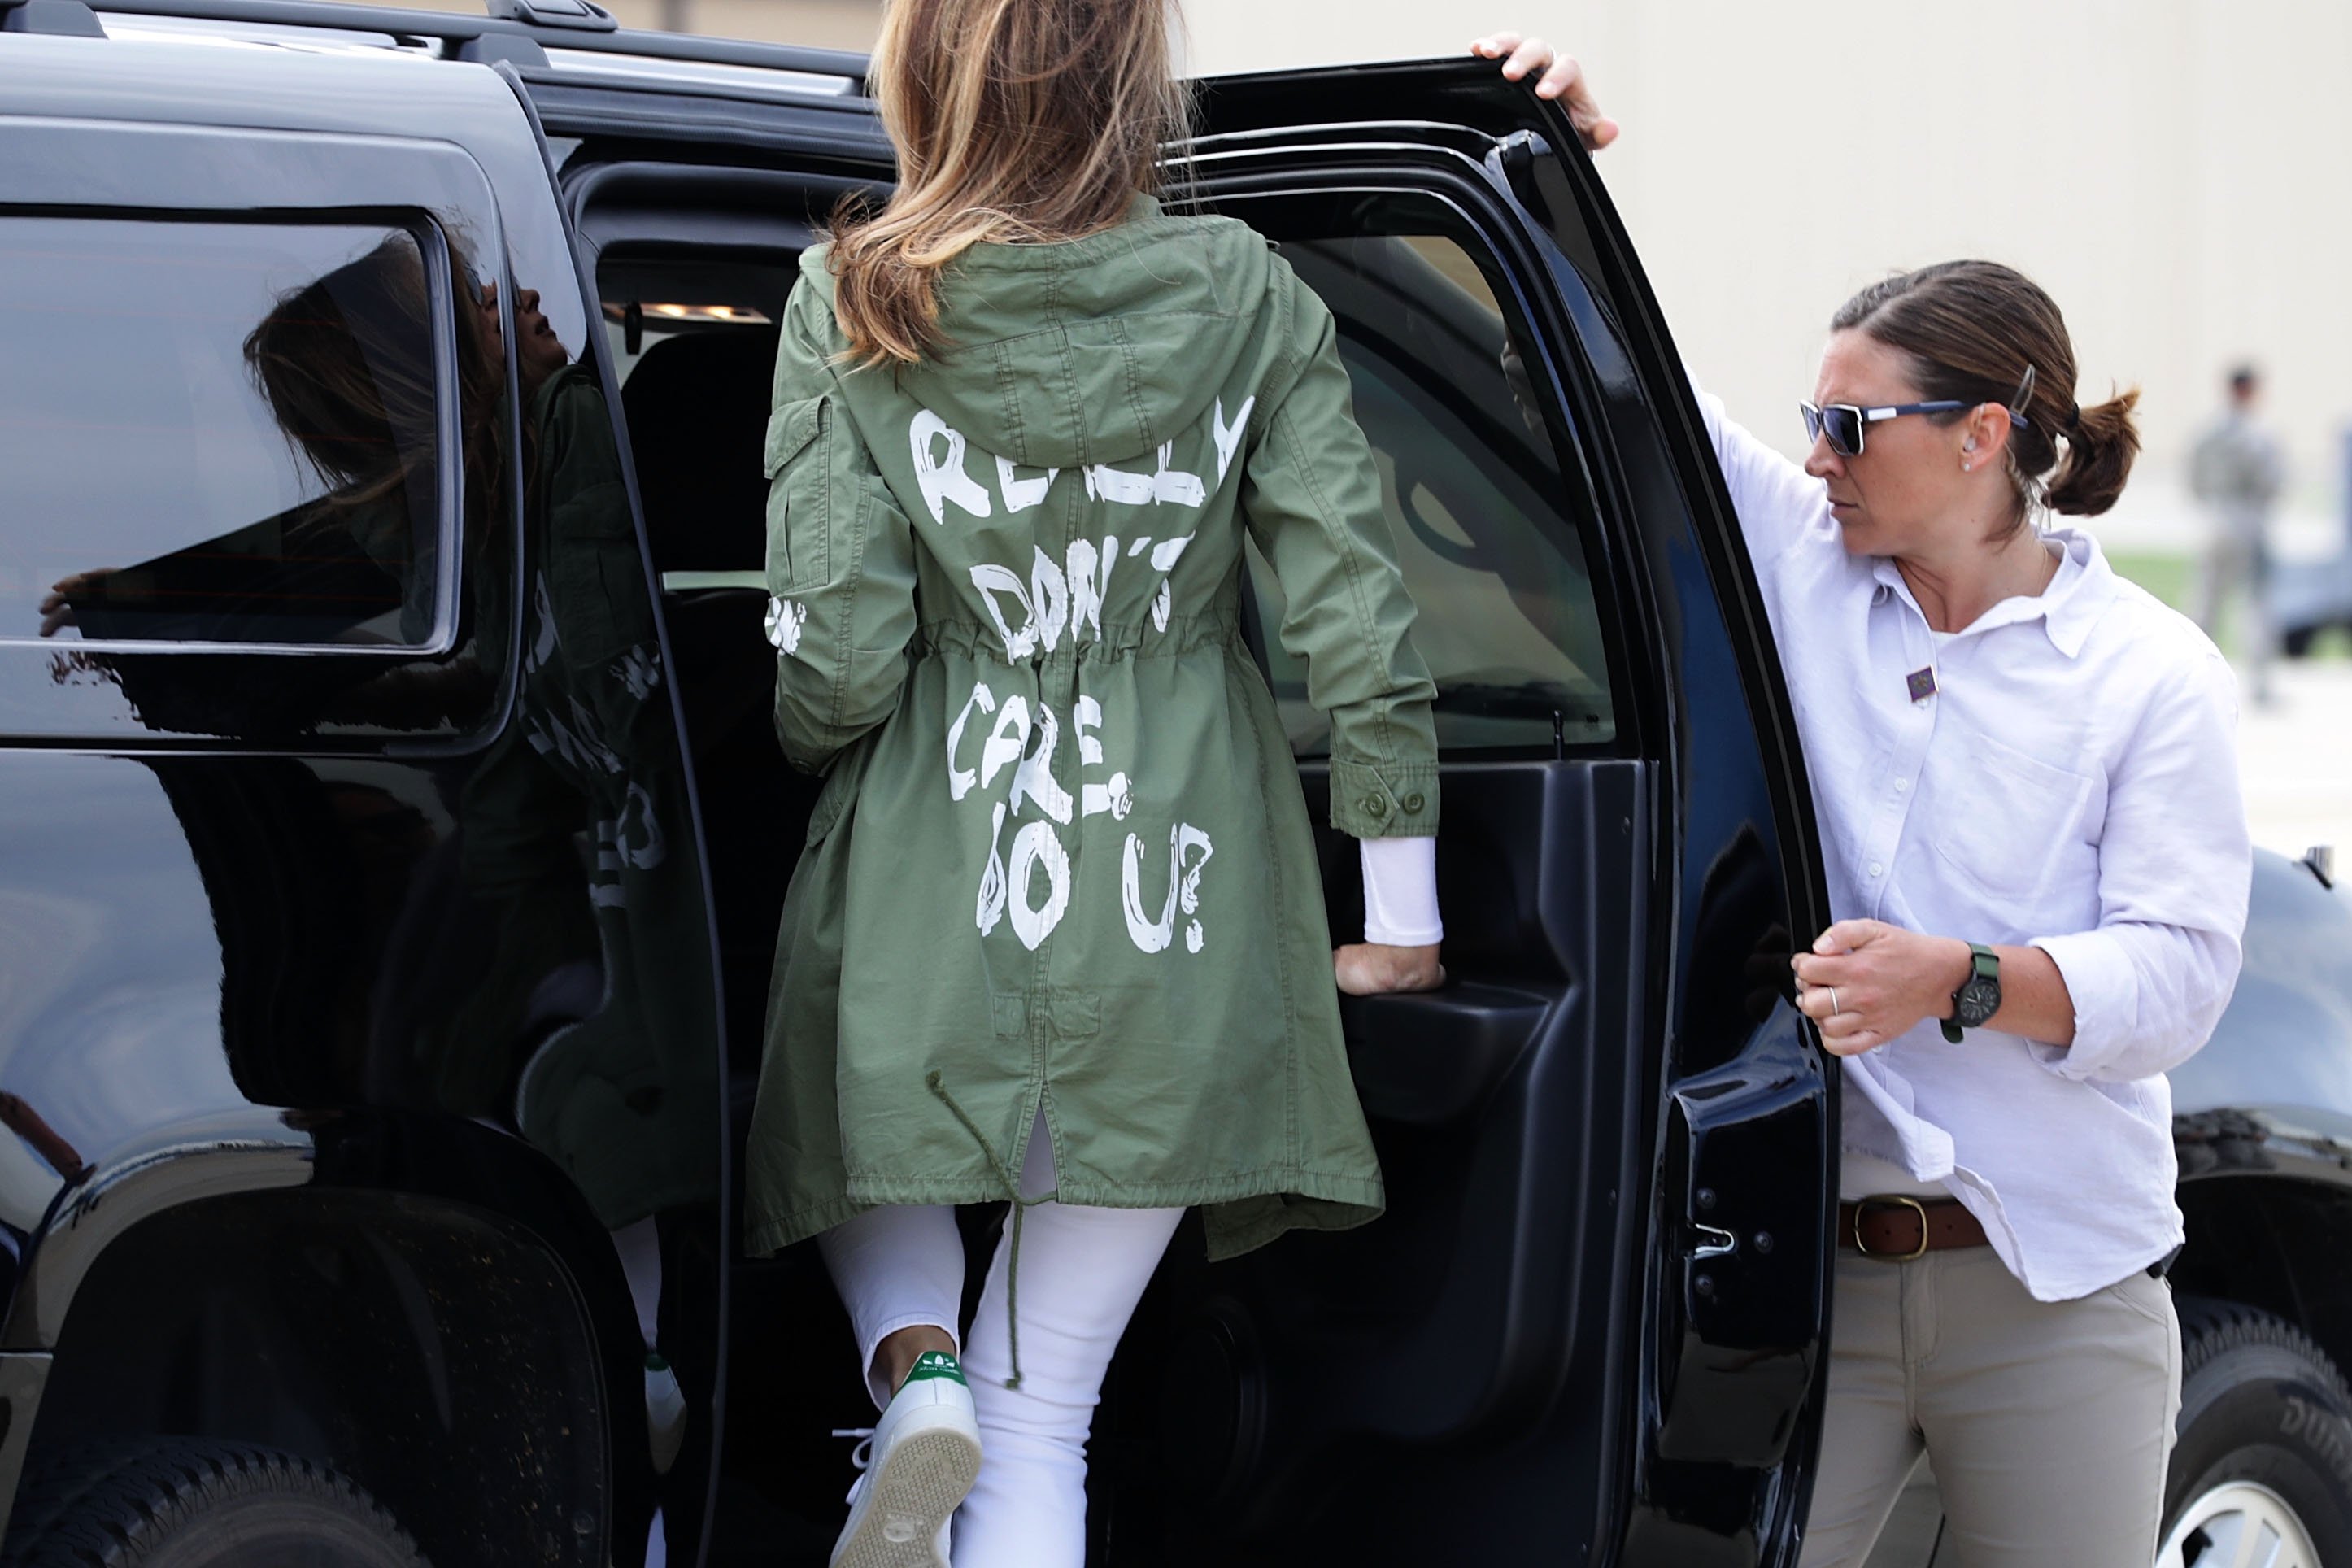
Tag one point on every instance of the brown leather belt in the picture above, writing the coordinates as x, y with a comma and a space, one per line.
1896, 1229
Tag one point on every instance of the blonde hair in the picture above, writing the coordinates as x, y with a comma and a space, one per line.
1015, 119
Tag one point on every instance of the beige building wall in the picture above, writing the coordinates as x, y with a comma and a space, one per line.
820, 24
828, 24
2177, 173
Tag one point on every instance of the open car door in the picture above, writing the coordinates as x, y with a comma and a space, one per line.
1602, 1278
1590, 1328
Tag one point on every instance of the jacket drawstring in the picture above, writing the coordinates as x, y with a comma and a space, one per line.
1021, 1205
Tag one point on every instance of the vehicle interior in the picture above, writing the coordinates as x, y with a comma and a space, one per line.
1421, 1346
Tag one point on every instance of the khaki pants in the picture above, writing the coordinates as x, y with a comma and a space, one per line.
2050, 1422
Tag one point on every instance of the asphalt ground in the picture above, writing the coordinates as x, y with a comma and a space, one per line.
2294, 755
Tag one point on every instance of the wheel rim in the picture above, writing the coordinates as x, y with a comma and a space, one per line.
2239, 1525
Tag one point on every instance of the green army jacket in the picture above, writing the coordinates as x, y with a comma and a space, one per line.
1061, 862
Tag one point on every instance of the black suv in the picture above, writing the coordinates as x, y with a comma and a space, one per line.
391, 841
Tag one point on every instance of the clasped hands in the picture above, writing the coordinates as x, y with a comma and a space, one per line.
1865, 982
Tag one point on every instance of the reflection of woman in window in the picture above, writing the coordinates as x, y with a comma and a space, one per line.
346, 365
575, 833
588, 1013
1060, 937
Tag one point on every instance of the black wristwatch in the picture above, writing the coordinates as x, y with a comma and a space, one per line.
1978, 998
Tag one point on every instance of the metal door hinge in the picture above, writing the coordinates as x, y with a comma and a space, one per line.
1515, 155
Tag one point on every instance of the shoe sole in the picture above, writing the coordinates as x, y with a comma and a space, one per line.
929, 1475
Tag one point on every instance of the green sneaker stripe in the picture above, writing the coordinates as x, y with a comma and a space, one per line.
936, 1364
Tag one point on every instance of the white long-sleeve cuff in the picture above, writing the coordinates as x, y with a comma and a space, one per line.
2105, 989
2146, 997
1400, 891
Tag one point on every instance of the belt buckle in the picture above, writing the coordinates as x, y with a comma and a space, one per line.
1891, 1200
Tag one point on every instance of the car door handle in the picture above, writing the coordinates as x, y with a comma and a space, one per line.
1740, 1331
1426, 1057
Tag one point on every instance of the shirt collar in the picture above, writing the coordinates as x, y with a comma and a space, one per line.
2080, 593
2068, 608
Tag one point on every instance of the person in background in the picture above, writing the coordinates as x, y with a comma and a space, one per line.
2236, 471
2025, 779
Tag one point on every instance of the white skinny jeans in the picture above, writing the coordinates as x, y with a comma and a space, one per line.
1082, 1272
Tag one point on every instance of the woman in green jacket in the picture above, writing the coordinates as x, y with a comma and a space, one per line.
1058, 934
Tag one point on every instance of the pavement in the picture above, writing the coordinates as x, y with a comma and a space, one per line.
2294, 755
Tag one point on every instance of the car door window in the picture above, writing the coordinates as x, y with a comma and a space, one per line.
1489, 527
234, 436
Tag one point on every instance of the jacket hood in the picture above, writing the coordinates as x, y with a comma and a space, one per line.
1091, 350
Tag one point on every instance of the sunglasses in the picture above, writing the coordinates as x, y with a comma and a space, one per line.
1842, 423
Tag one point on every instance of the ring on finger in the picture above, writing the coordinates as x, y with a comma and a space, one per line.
1834, 1008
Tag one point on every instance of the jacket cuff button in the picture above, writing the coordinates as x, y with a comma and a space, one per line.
1415, 801
1374, 806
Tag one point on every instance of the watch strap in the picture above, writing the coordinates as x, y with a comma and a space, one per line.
1984, 963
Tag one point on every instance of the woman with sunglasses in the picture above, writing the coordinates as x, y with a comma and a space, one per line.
2025, 775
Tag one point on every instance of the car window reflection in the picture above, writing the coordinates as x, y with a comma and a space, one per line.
215, 452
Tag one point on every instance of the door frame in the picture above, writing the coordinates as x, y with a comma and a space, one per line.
1702, 695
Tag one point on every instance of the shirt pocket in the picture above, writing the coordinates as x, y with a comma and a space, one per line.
2021, 828
800, 494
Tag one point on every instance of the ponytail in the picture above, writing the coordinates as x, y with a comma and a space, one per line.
2100, 442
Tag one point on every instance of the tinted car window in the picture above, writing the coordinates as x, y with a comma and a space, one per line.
1485, 520
221, 432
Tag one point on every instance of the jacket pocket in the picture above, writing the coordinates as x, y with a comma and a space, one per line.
2025, 827
841, 787
800, 493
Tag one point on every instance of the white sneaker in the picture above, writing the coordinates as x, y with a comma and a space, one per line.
665, 1413
919, 1462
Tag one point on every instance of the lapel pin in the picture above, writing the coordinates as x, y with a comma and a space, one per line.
1922, 683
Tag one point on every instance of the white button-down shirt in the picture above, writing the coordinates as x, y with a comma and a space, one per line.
2071, 784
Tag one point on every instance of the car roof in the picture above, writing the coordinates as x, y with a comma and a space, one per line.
567, 40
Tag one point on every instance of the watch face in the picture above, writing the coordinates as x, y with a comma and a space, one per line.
1978, 1000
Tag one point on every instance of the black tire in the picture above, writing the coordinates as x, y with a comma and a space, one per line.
2261, 1406
195, 1502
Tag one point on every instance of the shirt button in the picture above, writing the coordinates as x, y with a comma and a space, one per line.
1902, 785
1375, 806
1876, 870
1415, 801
